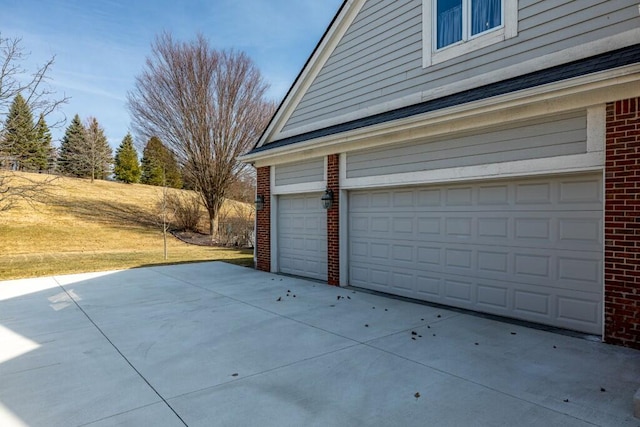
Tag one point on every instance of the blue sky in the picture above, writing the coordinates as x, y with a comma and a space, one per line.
101, 45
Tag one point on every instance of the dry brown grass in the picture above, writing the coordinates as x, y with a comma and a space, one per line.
81, 226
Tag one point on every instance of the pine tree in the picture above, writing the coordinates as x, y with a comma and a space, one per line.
98, 152
19, 138
71, 159
127, 168
159, 165
45, 157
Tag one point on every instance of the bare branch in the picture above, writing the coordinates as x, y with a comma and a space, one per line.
34, 88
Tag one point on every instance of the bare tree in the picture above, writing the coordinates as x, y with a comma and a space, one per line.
34, 88
15, 79
207, 106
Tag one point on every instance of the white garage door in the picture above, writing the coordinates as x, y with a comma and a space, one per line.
529, 249
302, 236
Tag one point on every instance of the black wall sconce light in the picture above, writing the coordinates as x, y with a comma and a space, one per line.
259, 202
327, 199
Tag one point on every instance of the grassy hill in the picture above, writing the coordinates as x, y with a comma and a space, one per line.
79, 226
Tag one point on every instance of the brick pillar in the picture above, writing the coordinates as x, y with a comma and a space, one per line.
333, 221
263, 220
622, 224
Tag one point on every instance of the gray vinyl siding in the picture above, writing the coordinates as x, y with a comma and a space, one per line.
300, 172
562, 135
379, 58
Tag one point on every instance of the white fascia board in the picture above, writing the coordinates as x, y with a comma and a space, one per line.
307, 187
586, 50
545, 166
315, 64
574, 94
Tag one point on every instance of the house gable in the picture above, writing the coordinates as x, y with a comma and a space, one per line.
372, 59
321, 53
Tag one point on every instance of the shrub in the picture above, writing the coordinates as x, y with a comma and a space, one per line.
236, 226
186, 209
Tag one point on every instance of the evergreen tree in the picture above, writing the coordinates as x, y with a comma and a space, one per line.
127, 168
98, 152
19, 138
71, 158
159, 165
45, 158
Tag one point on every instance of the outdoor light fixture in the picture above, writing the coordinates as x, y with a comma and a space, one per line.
259, 202
327, 199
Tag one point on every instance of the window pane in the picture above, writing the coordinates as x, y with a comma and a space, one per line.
449, 17
485, 15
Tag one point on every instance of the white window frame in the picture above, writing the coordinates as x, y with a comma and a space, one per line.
431, 55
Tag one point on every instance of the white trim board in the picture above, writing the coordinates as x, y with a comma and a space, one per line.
306, 187
562, 164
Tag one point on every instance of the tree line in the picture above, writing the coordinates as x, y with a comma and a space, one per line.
198, 108
84, 152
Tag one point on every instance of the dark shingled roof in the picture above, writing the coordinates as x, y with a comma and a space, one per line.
606, 61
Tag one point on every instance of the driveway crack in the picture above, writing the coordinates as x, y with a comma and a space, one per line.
72, 297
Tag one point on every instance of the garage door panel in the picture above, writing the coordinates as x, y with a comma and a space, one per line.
510, 248
428, 285
533, 193
573, 310
580, 230
302, 236
430, 255
403, 281
492, 262
495, 298
496, 228
532, 305
579, 191
493, 195
400, 225
459, 292
584, 274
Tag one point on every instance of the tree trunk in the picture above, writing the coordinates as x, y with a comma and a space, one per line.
164, 239
213, 225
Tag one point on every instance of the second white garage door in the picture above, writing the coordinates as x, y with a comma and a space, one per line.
302, 236
529, 249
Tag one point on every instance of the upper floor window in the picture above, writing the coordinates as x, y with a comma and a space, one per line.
460, 20
454, 27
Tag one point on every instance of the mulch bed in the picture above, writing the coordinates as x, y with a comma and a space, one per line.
199, 239
194, 238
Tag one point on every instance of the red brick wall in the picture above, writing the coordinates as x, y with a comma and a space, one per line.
263, 220
333, 221
622, 224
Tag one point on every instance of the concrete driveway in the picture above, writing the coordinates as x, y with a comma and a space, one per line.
215, 344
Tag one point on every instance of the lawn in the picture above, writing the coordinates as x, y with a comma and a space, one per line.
79, 226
